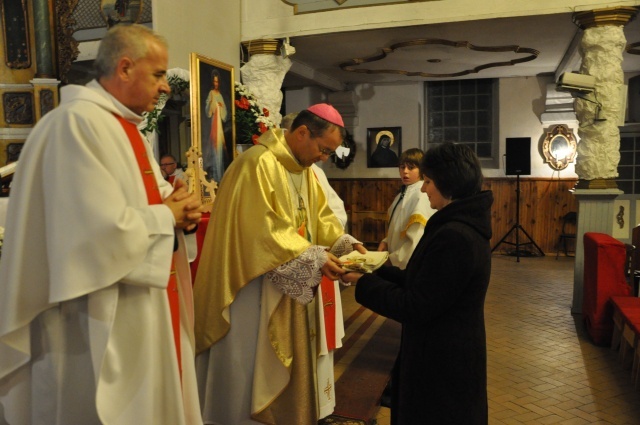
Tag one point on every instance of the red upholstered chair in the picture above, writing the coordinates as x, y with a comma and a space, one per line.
634, 265
604, 277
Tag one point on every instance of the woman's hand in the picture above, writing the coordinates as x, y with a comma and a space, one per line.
360, 248
351, 278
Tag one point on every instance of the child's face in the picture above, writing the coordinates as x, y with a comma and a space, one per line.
409, 173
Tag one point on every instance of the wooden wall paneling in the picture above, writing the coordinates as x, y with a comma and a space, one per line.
502, 211
542, 203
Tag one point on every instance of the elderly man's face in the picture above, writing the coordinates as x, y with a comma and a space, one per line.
148, 79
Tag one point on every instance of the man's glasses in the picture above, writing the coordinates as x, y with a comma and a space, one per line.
325, 151
167, 164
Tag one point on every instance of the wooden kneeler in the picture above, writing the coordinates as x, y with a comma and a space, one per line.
626, 331
628, 344
623, 307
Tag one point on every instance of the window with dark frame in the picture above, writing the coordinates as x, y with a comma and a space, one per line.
463, 111
629, 166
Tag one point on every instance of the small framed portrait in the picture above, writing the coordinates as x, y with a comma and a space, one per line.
212, 114
384, 146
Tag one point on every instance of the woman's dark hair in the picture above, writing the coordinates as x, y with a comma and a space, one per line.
316, 125
454, 169
413, 157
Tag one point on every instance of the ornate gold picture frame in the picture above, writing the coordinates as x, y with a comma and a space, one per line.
212, 125
559, 147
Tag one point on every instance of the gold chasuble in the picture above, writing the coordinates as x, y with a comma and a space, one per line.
253, 229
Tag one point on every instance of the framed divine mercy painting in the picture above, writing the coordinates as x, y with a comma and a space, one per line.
212, 114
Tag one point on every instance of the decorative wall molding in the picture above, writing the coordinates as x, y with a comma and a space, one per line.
18, 108
354, 64
15, 26
310, 6
618, 16
67, 45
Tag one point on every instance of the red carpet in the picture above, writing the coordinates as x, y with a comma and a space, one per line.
360, 387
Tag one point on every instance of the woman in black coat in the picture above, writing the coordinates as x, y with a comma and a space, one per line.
440, 376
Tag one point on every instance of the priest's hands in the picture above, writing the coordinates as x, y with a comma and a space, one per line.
332, 268
186, 208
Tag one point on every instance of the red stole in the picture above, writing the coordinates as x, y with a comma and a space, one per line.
327, 288
154, 198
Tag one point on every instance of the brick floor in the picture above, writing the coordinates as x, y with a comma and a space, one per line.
542, 368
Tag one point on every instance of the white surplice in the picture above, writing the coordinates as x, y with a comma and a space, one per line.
409, 215
333, 200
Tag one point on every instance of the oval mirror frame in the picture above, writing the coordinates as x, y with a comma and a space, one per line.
559, 147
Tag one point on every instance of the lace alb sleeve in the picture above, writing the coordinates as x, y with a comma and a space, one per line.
344, 245
298, 277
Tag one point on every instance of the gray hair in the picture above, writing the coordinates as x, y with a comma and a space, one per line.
129, 40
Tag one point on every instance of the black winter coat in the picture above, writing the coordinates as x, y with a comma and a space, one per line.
441, 372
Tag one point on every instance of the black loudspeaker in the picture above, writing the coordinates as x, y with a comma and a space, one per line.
518, 156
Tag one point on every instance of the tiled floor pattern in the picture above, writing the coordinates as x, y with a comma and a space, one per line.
542, 367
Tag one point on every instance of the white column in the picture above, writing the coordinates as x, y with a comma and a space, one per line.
599, 149
263, 74
601, 48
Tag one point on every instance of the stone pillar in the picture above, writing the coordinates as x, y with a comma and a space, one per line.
264, 73
599, 114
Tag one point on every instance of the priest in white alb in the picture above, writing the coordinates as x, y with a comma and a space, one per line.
96, 311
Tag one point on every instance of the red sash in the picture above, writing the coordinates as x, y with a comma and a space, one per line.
328, 290
154, 197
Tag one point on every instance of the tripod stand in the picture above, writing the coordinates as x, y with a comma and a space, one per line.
517, 227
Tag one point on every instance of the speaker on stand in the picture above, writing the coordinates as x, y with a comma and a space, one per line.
518, 162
